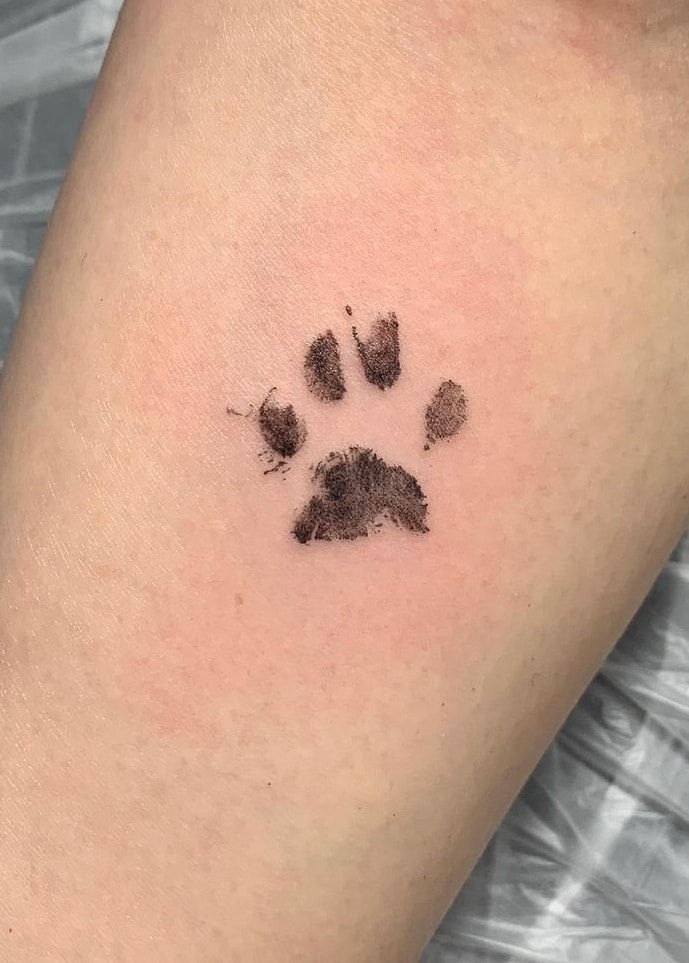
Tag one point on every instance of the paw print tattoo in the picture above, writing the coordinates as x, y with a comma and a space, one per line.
355, 490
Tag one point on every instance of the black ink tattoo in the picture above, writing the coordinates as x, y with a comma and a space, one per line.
356, 490
283, 431
323, 368
446, 415
380, 352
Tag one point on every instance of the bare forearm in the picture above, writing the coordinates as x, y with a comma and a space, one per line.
227, 742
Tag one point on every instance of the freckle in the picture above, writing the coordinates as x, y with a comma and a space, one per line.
239, 599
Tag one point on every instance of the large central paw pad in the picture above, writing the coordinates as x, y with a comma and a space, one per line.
356, 491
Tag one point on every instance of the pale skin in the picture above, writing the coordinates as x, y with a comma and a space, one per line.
219, 744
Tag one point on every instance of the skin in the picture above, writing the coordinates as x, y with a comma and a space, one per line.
219, 744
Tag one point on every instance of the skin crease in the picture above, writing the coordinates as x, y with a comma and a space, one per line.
309, 773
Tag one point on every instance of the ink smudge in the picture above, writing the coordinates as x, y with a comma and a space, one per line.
323, 368
380, 353
278, 466
240, 414
283, 431
357, 490
446, 414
